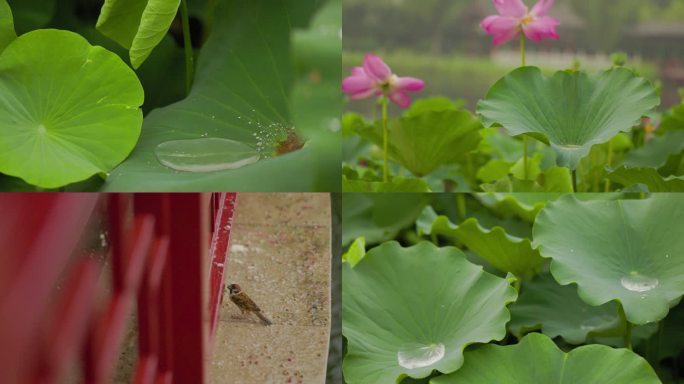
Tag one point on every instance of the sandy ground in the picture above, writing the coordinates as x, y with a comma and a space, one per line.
280, 255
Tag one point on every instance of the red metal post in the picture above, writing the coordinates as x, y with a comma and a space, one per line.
33, 261
188, 240
160, 256
220, 241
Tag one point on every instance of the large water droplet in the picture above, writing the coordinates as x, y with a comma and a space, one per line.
638, 283
417, 355
205, 154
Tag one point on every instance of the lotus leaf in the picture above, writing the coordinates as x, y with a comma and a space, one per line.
631, 251
425, 141
655, 153
409, 311
356, 251
68, 110
558, 311
524, 205
571, 109
536, 359
378, 217
502, 251
7, 33
137, 25
654, 181
243, 92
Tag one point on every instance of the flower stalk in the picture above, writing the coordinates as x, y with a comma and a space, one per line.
385, 134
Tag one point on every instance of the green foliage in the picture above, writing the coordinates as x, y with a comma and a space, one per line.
451, 303
137, 25
504, 252
647, 177
576, 141
7, 33
356, 252
378, 217
571, 110
268, 85
591, 268
557, 311
423, 141
641, 266
68, 110
243, 91
589, 364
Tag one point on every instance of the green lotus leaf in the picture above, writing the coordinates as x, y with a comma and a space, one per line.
409, 311
378, 217
435, 103
243, 91
558, 311
494, 170
670, 338
68, 110
424, 142
655, 153
654, 181
553, 179
7, 33
499, 145
502, 251
397, 184
572, 110
137, 25
356, 251
625, 250
673, 119
536, 359
524, 205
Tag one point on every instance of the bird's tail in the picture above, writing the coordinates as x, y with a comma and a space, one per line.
263, 318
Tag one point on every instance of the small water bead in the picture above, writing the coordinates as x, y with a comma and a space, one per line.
205, 154
417, 355
636, 282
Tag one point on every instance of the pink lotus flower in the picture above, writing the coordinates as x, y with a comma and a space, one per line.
376, 78
514, 16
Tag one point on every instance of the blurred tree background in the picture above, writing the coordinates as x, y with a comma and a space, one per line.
441, 42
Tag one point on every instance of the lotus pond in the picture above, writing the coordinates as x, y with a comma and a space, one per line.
533, 132
513, 288
550, 129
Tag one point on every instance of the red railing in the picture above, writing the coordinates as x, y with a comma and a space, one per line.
60, 313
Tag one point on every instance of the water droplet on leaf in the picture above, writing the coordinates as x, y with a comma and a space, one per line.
636, 282
417, 355
205, 154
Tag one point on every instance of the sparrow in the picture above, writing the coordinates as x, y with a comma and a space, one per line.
245, 303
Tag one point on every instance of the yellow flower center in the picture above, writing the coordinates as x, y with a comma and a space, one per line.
526, 20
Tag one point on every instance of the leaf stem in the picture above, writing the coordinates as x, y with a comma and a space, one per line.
522, 60
574, 180
461, 205
627, 337
524, 157
385, 170
606, 188
187, 43
211, 5
522, 47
